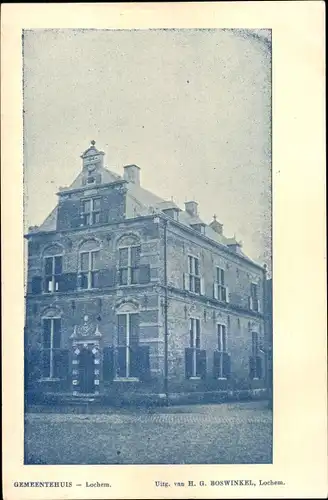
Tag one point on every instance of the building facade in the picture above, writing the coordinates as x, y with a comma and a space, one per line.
129, 295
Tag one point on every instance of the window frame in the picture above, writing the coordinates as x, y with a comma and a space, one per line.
92, 213
221, 288
254, 299
194, 343
51, 348
127, 344
129, 268
193, 276
255, 343
90, 273
255, 351
53, 281
222, 338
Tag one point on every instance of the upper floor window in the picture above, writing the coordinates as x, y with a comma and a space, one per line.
50, 346
221, 291
254, 303
52, 273
89, 266
193, 278
90, 178
129, 265
90, 211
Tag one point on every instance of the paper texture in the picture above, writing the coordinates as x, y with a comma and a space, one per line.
299, 465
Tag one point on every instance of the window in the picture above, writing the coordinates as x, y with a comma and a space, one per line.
222, 338
129, 265
52, 273
50, 346
220, 290
90, 178
194, 345
89, 265
255, 360
221, 357
193, 281
254, 303
90, 210
255, 344
128, 342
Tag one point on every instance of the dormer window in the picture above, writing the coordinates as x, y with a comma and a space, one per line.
200, 227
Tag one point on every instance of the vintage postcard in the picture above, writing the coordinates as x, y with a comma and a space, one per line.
164, 261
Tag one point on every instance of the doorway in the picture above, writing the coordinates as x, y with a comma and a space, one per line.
86, 372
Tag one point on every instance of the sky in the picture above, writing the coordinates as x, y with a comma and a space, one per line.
192, 108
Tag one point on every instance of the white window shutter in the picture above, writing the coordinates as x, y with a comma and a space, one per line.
250, 303
227, 295
258, 305
202, 286
215, 291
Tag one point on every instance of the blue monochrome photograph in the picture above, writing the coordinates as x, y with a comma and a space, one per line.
148, 262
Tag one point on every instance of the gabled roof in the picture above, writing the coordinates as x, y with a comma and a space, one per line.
106, 177
50, 222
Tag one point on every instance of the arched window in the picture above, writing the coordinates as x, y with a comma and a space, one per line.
127, 340
89, 264
51, 343
52, 268
129, 260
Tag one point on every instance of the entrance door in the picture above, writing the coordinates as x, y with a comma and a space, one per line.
86, 372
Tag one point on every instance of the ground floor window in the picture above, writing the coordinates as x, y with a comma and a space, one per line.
221, 361
195, 356
221, 356
128, 344
255, 361
51, 347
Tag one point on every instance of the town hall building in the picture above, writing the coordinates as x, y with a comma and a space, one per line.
130, 296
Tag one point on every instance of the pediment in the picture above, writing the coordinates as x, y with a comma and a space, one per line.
86, 331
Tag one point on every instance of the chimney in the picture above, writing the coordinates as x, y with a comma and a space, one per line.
192, 208
216, 225
132, 174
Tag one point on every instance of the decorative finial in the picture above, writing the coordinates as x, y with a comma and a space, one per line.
93, 142
214, 216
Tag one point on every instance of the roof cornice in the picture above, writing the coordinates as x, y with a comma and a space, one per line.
65, 191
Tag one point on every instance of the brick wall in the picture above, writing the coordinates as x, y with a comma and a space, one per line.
99, 305
239, 342
239, 274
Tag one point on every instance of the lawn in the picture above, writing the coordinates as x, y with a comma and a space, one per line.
237, 433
